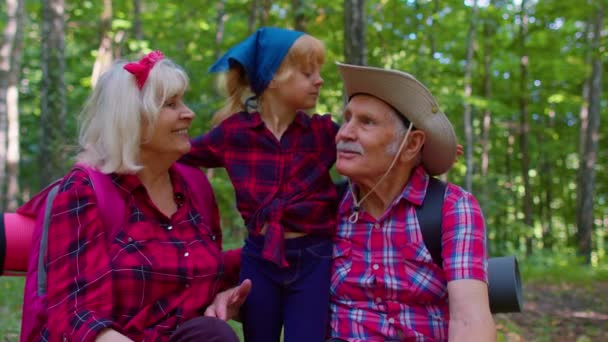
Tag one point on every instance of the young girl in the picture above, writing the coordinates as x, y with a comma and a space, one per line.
278, 159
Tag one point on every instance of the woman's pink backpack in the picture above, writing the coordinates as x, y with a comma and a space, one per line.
111, 208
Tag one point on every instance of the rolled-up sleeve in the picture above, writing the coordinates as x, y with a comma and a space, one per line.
464, 248
78, 267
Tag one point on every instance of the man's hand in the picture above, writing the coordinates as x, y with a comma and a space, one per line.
227, 303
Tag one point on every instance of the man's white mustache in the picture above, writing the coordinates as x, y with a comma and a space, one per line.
343, 146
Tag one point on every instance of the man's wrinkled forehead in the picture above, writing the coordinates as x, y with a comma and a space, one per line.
384, 107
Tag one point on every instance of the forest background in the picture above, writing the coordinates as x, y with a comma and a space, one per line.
522, 81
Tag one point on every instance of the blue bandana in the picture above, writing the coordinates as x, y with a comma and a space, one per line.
260, 55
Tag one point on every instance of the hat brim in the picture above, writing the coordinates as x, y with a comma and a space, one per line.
410, 97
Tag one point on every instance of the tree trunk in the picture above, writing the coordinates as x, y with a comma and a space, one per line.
484, 140
524, 124
52, 95
511, 198
264, 13
433, 29
584, 111
104, 51
546, 177
584, 123
220, 22
587, 165
355, 49
488, 32
418, 45
299, 14
138, 32
468, 120
253, 16
10, 61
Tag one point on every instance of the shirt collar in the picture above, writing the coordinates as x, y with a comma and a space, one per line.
253, 120
302, 119
129, 182
413, 192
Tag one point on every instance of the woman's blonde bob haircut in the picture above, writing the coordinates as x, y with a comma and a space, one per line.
113, 117
306, 52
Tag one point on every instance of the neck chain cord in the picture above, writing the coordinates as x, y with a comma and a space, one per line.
354, 217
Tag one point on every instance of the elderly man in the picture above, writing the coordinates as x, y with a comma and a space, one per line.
385, 285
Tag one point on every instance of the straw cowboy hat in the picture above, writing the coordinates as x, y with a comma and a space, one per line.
410, 97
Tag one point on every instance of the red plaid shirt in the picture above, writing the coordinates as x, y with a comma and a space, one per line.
284, 184
155, 274
385, 285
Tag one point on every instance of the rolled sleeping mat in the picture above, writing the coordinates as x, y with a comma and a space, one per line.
504, 284
15, 240
505, 290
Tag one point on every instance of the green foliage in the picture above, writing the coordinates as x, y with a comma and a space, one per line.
558, 267
11, 302
425, 38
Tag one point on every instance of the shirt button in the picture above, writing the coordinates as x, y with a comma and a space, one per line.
170, 227
376, 267
186, 254
391, 320
378, 300
130, 239
187, 285
213, 237
376, 225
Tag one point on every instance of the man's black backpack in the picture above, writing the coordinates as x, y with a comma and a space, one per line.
503, 273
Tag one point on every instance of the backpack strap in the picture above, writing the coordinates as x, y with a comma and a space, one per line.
203, 198
112, 206
3, 249
193, 177
190, 176
430, 218
341, 188
111, 209
46, 221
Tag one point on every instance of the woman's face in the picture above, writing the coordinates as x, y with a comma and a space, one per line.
169, 137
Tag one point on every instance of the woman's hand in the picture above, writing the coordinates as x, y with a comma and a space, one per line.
227, 303
459, 152
110, 335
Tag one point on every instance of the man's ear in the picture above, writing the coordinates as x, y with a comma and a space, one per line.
413, 146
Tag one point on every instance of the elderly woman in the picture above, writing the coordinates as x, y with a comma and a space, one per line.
153, 276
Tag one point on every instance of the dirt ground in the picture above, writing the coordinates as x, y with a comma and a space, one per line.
559, 312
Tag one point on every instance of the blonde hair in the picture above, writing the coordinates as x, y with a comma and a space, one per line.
306, 52
113, 117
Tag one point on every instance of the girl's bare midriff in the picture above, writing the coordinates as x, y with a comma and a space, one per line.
288, 235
